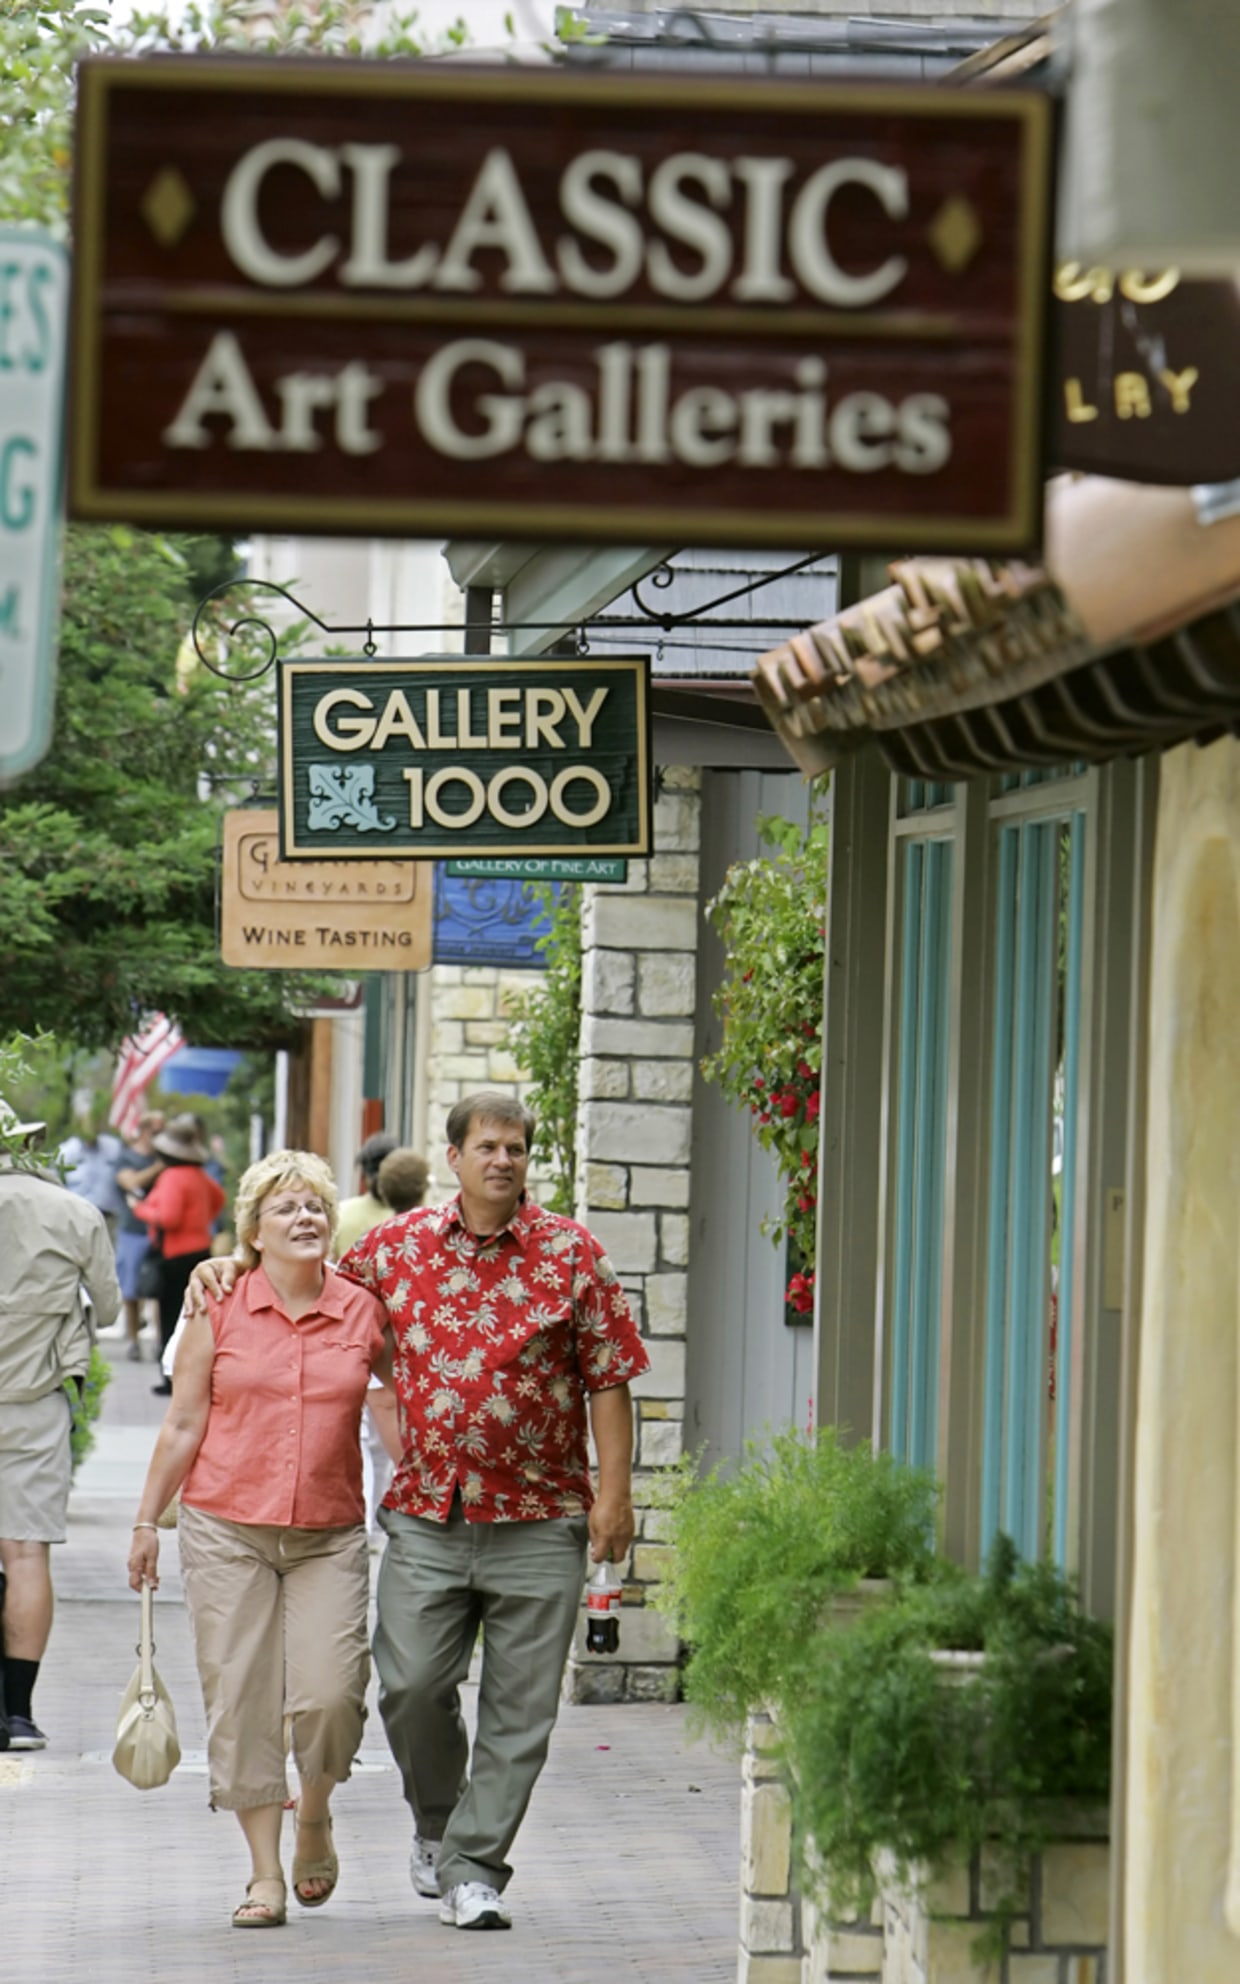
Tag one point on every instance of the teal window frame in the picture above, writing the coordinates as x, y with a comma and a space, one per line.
1028, 909
925, 869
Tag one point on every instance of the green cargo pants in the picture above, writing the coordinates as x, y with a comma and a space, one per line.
440, 1583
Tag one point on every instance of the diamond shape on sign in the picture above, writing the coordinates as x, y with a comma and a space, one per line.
168, 206
955, 233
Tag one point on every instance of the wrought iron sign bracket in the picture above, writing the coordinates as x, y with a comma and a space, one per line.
211, 626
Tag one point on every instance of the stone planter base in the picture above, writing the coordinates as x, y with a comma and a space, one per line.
1059, 1935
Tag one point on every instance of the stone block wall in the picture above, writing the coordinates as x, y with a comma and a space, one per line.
469, 1050
639, 964
1059, 1935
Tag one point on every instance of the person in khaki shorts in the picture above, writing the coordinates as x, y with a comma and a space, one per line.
52, 1244
261, 1439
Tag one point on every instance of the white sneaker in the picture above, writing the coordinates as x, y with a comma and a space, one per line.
423, 1865
473, 1905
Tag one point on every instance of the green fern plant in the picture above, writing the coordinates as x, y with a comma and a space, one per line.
760, 1551
85, 1404
890, 1752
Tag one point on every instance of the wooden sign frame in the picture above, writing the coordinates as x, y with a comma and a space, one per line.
457, 757
323, 916
429, 300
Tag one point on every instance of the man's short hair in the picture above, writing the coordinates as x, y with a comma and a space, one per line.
373, 1152
403, 1177
488, 1105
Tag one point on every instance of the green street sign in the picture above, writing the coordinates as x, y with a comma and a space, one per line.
34, 296
546, 868
443, 758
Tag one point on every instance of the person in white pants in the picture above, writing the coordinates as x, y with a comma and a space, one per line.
400, 1183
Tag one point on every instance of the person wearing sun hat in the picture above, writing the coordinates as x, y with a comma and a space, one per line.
52, 1243
179, 1209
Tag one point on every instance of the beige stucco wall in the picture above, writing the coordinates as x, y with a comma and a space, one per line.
1182, 1877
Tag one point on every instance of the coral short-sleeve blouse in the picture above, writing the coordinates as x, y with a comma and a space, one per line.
281, 1444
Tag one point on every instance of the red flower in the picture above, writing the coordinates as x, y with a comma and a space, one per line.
807, 1159
799, 1294
789, 1104
805, 1071
812, 1107
804, 1202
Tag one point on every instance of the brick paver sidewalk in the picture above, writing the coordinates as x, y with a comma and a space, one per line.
626, 1864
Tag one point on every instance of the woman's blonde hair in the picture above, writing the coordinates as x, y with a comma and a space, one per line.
278, 1170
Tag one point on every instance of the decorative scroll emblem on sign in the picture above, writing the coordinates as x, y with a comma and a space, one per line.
342, 797
510, 302
436, 758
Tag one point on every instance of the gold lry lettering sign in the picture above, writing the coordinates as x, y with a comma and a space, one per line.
375, 297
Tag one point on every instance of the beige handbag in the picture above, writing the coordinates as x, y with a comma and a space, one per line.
146, 1749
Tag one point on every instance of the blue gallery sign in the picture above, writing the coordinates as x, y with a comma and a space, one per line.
488, 920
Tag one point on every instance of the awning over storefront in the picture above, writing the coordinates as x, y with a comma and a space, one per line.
1126, 640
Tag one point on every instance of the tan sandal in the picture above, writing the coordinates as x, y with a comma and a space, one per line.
266, 1915
327, 1869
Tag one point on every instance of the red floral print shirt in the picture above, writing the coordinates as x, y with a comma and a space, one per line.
498, 1341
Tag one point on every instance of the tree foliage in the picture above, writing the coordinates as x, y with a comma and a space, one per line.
108, 848
40, 46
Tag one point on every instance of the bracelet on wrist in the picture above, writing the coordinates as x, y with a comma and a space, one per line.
146, 1525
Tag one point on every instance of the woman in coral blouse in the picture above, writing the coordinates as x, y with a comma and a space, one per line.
179, 1209
261, 1438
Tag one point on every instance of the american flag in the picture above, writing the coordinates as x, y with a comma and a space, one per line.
140, 1059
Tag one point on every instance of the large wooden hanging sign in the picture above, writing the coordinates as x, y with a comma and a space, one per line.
438, 301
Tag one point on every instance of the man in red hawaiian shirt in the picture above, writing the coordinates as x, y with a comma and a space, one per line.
513, 1339
510, 1326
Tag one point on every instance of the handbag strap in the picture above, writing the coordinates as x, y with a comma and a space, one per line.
146, 1647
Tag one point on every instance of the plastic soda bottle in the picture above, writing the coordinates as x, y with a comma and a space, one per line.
603, 1610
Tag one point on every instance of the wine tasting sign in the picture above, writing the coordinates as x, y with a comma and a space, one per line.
431, 300
443, 757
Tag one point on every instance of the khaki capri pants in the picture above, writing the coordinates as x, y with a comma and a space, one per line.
279, 1620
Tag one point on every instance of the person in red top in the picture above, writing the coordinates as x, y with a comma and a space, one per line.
262, 1439
179, 1209
513, 1338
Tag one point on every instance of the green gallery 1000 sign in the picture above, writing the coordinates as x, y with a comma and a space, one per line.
440, 758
